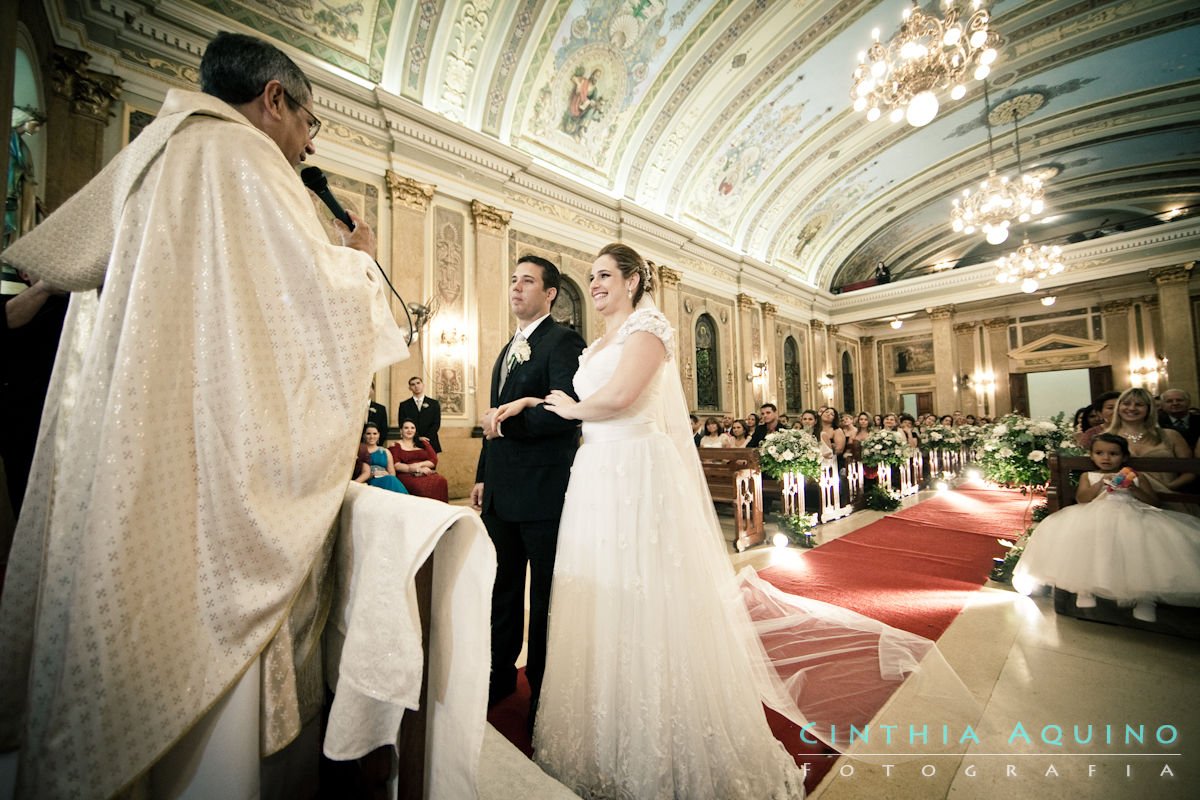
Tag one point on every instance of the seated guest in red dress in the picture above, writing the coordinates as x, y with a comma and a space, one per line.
415, 464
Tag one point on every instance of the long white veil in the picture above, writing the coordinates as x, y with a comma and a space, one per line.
823, 667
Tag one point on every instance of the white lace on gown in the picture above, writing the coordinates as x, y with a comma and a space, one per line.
647, 692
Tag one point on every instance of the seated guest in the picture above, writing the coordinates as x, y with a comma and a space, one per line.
1106, 404
726, 423
416, 463
696, 428
1174, 414
846, 423
833, 438
808, 421
379, 470
970, 419
711, 435
769, 415
784, 422
751, 423
737, 434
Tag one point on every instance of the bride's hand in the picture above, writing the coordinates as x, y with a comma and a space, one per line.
515, 407
561, 403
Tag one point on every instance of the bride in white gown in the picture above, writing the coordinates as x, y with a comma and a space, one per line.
659, 659
648, 690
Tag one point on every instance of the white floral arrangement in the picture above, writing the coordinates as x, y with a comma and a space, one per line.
971, 435
939, 437
1016, 449
886, 447
790, 451
520, 352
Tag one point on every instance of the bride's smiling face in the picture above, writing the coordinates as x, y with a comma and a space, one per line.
610, 291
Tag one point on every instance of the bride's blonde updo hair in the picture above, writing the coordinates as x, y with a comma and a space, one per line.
630, 264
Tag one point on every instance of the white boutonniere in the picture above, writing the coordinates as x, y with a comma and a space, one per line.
520, 353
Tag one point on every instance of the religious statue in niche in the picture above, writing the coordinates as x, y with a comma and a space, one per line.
585, 103
20, 199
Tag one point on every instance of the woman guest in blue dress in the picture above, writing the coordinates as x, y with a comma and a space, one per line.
379, 469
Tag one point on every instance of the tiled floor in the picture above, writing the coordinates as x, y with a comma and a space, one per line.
1027, 666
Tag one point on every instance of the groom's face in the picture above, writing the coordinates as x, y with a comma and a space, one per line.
527, 294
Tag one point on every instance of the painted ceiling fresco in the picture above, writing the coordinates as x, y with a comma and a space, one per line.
734, 118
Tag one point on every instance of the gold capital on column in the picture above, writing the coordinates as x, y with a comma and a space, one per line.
833, 329
996, 322
669, 277
409, 193
941, 312
489, 218
1178, 273
1117, 307
964, 327
745, 301
770, 309
91, 94
816, 324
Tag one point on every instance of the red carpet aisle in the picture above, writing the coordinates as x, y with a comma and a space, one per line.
913, 570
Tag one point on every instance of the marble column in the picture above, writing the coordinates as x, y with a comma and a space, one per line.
1178, 344
406, 267
868, 391
749, 393
964, 344
771, 390
944, 398
492, 272
818, 365
78, 109
668, 303
997, 355
1116, 336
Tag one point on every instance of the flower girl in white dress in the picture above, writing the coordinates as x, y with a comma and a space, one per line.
1114, 542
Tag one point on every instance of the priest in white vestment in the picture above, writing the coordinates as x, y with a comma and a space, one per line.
199, 430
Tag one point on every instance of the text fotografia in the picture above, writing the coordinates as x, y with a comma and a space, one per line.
1052, 735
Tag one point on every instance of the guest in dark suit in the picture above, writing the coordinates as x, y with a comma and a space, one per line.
377, 415
424, 411
1175, 414
523, 472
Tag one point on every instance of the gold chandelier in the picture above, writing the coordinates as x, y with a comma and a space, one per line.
927, 54
1029, 265
999, 201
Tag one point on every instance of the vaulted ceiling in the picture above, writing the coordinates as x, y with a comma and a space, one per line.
734, 118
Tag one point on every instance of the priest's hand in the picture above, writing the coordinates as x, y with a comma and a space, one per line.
361, 238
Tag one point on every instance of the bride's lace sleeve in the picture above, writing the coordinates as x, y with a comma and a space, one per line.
652, 321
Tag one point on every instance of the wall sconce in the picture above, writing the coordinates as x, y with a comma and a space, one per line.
451, 337
896, 324
1049, 300
964, 382
825, 384
758, 371
983, 382
1148, 372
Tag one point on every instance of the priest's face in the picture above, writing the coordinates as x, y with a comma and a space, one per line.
295, 131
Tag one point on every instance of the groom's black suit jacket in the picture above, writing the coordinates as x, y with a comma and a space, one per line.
525, 471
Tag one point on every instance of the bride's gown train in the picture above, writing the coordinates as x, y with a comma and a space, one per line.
648, 691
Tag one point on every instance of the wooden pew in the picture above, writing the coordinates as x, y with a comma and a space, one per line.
1174, 620
733, 477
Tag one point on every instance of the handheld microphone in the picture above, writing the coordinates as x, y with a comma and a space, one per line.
315, 180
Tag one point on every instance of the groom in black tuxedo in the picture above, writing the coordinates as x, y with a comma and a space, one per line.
523, 472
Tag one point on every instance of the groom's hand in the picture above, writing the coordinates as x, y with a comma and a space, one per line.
488, 423
477, 497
